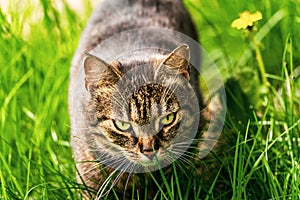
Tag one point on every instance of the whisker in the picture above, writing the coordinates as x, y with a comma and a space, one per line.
117, 178
118, 101
111, 160
106, 182
90, 169
186, 159
127, 180
183, 152
202, 139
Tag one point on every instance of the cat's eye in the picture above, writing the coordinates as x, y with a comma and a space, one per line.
122, 126
168, 119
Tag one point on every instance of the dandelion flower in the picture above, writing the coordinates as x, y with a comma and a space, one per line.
246, 20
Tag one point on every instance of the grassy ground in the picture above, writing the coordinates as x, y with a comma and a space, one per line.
37, 43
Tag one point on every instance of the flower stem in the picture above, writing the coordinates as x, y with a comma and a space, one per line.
260, 62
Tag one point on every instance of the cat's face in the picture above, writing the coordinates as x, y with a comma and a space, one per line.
146, 110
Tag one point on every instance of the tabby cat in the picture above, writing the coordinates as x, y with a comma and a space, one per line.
141, 110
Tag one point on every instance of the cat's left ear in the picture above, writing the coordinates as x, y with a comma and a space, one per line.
178, 60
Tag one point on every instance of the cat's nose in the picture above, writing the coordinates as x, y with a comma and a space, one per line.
148, 147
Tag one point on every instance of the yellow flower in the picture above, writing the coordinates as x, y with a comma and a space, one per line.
246, 20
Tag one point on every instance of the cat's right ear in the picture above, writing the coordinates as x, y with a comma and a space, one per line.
94, 67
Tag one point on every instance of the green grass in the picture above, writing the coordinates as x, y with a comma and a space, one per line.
37, 43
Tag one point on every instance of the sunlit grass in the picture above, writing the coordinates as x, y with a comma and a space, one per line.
37, 43
36, 158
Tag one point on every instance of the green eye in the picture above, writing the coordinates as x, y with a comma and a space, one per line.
168, 119
122, 126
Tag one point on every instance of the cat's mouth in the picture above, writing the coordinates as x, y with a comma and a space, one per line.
149, 159
155, 160
148, 155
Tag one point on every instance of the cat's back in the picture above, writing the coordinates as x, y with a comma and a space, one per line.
112, 17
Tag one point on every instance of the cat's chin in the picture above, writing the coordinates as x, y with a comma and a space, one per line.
150, 164
144, 160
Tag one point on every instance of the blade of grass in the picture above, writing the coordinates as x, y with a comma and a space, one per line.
3, 186
146, 188
272, 180
177, 181
166, 184
210, 191
18, 187
159, 187
12, 93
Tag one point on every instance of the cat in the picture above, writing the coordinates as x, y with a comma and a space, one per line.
133, 114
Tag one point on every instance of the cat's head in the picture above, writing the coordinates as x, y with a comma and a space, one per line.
146, 109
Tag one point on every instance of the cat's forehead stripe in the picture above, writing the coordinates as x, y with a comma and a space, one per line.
150, 101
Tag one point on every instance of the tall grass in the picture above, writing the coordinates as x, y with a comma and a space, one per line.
37, 43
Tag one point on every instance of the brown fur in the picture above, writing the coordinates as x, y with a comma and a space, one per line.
91, 106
